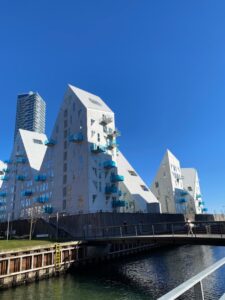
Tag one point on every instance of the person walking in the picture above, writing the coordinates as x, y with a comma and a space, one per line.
190, 227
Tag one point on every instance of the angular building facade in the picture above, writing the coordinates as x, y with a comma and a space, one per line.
79, 169
176, 188
30, 113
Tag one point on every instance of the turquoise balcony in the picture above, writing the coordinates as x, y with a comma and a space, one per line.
3, 194
182, 200
4, 178
41, 178
48, 209
111, 189
42, 199
6, 170
205, 209
8, 161
2, 202
201, 203
97, 149
27, 193
109, 164
118, 203
20, 177
183, 193
21, 160
50, 143
76, 138
117, 178
198, 196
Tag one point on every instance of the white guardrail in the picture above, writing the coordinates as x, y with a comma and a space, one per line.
195, 282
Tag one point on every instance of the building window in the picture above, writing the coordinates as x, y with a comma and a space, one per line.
65, 123
65, 134
144, 188
65, 168
65, 156
74, 106
37, 141
64, 204
98, 137
92, 122
65, 145
156, 184
94, 198
64, 191
132, 173
64, 179
190, 188
65, 113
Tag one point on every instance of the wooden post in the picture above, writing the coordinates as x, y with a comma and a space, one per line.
8, 227
31, 223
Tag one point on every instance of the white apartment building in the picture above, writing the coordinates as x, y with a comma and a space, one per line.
176, 188
79, 169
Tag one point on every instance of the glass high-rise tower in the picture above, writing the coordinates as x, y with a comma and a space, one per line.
30, 113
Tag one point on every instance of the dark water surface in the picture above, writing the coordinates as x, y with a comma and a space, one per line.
143, 277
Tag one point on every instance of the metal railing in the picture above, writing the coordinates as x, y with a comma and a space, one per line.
200, 229
194, 282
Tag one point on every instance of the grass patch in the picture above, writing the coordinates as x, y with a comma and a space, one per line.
14, 244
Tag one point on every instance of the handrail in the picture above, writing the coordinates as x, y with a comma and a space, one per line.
195, 282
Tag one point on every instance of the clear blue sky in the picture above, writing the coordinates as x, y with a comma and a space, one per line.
160, 65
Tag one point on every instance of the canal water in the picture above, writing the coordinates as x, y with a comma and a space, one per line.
143, 277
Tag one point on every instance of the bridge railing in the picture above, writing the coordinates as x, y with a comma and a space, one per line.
194, 282
169, 228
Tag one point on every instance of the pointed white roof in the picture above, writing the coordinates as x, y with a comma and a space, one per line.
89, 100
35, 151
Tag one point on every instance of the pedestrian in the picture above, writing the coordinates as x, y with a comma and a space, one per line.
190, 227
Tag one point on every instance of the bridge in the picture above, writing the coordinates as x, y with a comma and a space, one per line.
203, 233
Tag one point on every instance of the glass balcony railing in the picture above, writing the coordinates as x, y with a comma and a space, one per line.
50, 143
198, 196
3, 194
19, 154
117, 178
42, 199
105, 120
118, 203
21, 160
113, 133
97, 149
112, 145
40, 178
27, 193
76, 138
4, 178
20, 177
109, 164
183, 193
205, 209
48, 209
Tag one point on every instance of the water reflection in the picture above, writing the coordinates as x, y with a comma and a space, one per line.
143, 277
